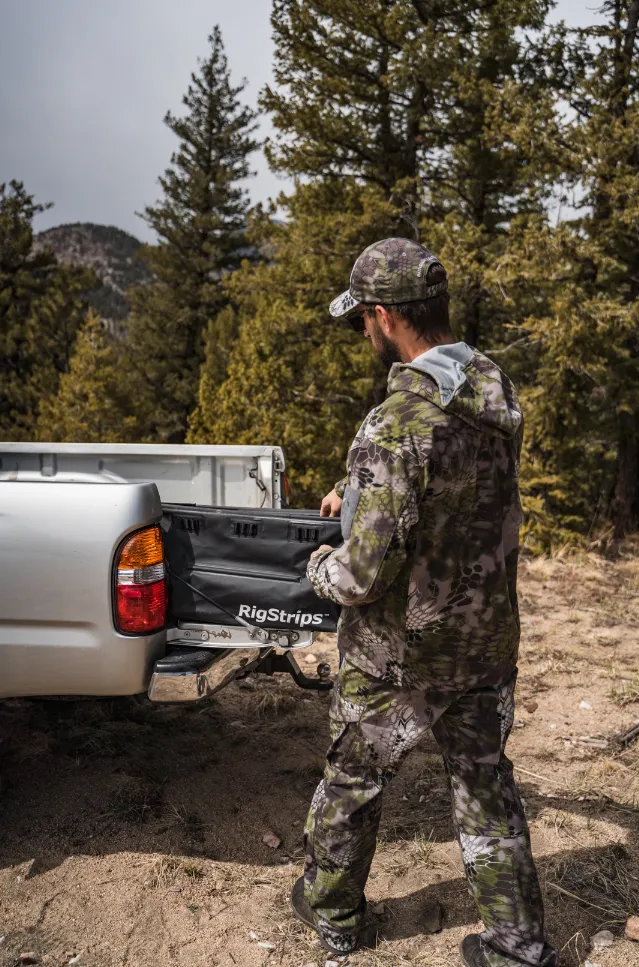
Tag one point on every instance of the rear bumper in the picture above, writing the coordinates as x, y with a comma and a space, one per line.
189, 675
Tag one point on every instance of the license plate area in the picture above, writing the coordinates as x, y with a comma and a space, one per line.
205, 635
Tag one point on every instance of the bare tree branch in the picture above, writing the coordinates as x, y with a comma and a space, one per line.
524, 341
327, 398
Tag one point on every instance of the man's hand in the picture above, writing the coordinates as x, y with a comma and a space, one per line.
324, 547
331, 505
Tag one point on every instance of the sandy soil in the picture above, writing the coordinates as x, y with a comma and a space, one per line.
133, 836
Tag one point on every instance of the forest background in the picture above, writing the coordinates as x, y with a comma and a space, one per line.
508, 145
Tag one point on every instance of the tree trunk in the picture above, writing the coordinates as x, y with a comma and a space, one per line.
472, 319
625, 505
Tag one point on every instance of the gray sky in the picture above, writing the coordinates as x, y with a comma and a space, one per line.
85, 85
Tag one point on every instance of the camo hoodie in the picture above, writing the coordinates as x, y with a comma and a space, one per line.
430, 519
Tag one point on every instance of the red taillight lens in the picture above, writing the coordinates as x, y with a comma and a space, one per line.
141, 609
141, 594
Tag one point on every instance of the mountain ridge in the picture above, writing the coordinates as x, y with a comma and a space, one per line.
113, 254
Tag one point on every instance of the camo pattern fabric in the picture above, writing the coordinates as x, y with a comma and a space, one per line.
373, 728
427, 576
391, 271
394, 270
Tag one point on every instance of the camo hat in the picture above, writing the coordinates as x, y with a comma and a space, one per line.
387, 272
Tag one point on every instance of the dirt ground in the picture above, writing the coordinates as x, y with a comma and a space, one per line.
133, 836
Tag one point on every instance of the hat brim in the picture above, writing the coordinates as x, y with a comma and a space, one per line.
343, 305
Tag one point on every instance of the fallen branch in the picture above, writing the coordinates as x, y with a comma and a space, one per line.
535, 775
591, 741
627, 737
580, 899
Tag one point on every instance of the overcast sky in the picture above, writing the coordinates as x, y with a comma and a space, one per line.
85, 84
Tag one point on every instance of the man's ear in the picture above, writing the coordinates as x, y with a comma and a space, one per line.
385, 320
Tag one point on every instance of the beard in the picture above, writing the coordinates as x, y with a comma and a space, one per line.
386, 350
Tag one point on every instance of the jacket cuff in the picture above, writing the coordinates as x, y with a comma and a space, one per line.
316, 574
340, 487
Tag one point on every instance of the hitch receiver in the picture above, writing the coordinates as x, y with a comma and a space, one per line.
286, 663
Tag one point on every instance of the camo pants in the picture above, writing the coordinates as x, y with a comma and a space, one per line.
373, 728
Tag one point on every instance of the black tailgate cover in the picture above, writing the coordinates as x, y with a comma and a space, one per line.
253, 562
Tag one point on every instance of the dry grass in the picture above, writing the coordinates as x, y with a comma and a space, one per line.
168, 871
605, 777
193, 871
186, 821
164, 872
606, 880
273, 704
626, 693
135, 800
424, 846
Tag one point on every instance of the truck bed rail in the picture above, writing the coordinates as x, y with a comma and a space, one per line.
236, 476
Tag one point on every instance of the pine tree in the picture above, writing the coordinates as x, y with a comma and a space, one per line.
580, 283
569, 343
41, 308
294, 378
219, 339
379, 120
412, 97
92, 400
200, 221
608, 141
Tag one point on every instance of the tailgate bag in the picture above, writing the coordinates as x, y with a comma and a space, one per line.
252, 562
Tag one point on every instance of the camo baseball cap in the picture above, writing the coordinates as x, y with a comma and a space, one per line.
387, 272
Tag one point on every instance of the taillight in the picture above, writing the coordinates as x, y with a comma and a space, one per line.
141, 609
140, 592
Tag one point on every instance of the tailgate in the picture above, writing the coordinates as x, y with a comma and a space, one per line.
252, 562
57, 547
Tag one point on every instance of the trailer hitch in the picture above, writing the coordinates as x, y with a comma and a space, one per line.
273, 663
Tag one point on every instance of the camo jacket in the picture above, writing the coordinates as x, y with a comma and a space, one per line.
430, 519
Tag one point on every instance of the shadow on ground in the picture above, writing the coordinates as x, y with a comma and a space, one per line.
99, 777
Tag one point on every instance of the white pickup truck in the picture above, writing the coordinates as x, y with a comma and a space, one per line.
159, 570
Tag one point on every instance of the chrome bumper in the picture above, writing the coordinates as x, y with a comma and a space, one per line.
196, 683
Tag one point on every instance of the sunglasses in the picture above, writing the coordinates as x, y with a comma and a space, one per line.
357, 320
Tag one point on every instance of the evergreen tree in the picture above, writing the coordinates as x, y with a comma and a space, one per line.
579, 341
570, 342
294, 378
41, 308
380, 122
200, 222
219, 339
607, 135
92, 400
412, 97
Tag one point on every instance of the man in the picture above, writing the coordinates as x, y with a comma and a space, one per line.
429, 631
